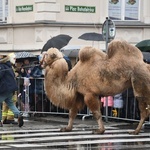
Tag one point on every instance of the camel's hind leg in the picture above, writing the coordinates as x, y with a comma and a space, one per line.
143, 114
72, 115
93, 104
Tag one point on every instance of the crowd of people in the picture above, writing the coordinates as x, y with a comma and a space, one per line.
31, 85
28, 94
36, 95
29, 89
20, 71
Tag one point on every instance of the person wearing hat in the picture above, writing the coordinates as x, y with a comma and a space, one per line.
8, 86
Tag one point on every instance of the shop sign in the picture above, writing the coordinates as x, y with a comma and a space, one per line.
24, 8
82, 9
108, 30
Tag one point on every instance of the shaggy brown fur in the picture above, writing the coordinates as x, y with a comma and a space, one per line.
96, 74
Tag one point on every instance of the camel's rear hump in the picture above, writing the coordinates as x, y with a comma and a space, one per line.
120, 48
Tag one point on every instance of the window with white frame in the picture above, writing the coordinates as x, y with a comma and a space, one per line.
3, 10
124, 10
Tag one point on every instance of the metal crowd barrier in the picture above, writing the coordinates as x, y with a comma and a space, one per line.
32, 100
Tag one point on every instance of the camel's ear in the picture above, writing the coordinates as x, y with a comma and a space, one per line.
45, 56
53, 56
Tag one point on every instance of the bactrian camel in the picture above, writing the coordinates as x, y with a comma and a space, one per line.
97, 74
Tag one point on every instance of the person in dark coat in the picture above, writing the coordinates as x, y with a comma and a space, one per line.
8, 86
37, 86
68, 62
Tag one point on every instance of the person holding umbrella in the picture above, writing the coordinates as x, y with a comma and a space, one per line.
9, 85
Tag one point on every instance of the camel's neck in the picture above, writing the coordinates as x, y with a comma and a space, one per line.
60, 93
59, 90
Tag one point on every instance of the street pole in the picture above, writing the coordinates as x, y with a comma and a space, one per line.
108, 32
106, 117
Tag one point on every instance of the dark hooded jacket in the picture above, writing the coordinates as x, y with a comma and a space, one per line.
7, 77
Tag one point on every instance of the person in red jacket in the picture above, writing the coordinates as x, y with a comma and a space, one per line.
109, 104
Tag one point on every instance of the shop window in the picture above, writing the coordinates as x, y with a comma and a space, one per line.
3, 10
124, 10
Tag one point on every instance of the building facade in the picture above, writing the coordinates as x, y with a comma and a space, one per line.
26, 25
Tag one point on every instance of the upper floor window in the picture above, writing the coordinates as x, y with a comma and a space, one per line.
124, 9
3, 10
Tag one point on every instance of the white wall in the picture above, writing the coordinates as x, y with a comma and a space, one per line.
26, 31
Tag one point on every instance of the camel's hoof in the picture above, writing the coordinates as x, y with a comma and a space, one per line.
133, 132
65, 130
98, 131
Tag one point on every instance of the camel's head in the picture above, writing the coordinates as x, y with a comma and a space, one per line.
50, 56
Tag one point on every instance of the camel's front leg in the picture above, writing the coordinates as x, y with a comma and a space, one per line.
72, 114
98, 116
93, 104
143, 114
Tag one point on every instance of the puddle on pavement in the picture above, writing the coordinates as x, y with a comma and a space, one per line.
6, 137
107, 146
100, 146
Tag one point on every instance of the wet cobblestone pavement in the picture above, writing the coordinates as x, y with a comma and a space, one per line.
44, 133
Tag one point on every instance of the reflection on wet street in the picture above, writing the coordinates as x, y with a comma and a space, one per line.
81, 138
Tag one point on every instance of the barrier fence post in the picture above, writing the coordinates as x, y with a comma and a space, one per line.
26, 90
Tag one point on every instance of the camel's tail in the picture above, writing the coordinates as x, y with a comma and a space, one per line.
140, 80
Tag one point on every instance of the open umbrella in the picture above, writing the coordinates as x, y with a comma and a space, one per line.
58, 42
20, 56
144, 45
91, 36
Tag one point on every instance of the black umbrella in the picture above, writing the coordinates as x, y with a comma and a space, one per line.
20, 56
144, 45
58, 42
91, 36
